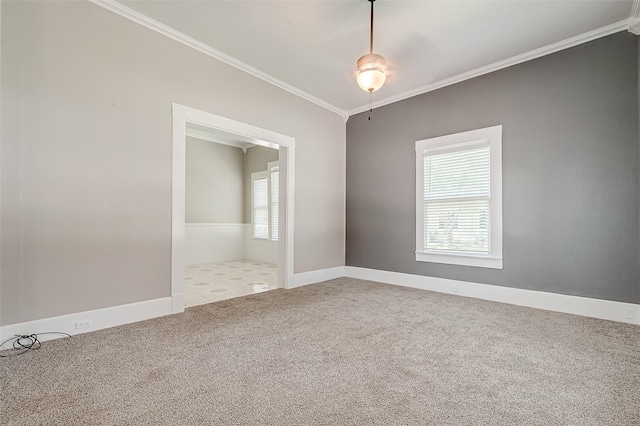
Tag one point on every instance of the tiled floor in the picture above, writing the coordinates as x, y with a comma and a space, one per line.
212, 282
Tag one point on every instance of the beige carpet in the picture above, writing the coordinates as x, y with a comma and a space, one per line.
344, 352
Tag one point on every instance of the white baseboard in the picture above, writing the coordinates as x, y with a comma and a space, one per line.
140, 311
177, 303
99, 319
312, 277
584, 306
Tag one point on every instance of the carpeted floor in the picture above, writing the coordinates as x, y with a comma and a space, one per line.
344, 352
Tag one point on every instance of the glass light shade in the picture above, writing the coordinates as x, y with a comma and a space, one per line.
371, 72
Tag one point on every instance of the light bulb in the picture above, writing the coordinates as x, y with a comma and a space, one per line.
371, 80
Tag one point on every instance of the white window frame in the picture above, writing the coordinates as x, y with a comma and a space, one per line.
265, 174
254, 177
273, 167
492, 136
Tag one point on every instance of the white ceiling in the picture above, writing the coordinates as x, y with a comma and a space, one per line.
312, 46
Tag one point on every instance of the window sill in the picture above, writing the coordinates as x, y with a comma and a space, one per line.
457, 259
264, 239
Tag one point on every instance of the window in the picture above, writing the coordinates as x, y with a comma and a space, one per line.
264, 203
260, 203
274, 171
459, 198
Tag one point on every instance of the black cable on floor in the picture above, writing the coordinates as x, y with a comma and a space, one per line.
26, 342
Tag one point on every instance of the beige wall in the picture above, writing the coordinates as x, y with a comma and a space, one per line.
86, 157
213, 182
255, 160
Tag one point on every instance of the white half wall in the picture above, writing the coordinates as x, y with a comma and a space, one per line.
213, 242
217, 242
259, 250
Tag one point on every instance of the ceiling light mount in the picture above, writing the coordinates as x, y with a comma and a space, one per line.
371, 67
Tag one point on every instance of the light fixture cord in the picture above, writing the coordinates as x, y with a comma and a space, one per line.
370, 103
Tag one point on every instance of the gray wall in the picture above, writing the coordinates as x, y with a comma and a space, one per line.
570, 172
86, 157
214, 191
255, 160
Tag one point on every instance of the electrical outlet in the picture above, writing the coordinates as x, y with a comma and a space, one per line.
455, 289
83, 324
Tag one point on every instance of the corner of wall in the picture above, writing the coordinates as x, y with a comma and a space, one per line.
0, 159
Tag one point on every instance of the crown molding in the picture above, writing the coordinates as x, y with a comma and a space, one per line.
632, 24
528, 56
154, 25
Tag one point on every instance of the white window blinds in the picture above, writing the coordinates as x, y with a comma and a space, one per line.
457, 199
260, 208
275, 191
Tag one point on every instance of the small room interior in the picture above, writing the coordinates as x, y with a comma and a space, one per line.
456, 237
231, 216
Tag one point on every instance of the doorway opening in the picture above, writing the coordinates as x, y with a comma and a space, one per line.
268, 239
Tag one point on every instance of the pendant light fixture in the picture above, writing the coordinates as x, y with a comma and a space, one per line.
371, 67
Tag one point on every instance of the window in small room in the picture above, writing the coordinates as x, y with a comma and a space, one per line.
459, 198
274, 176
264, 202
260, 205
